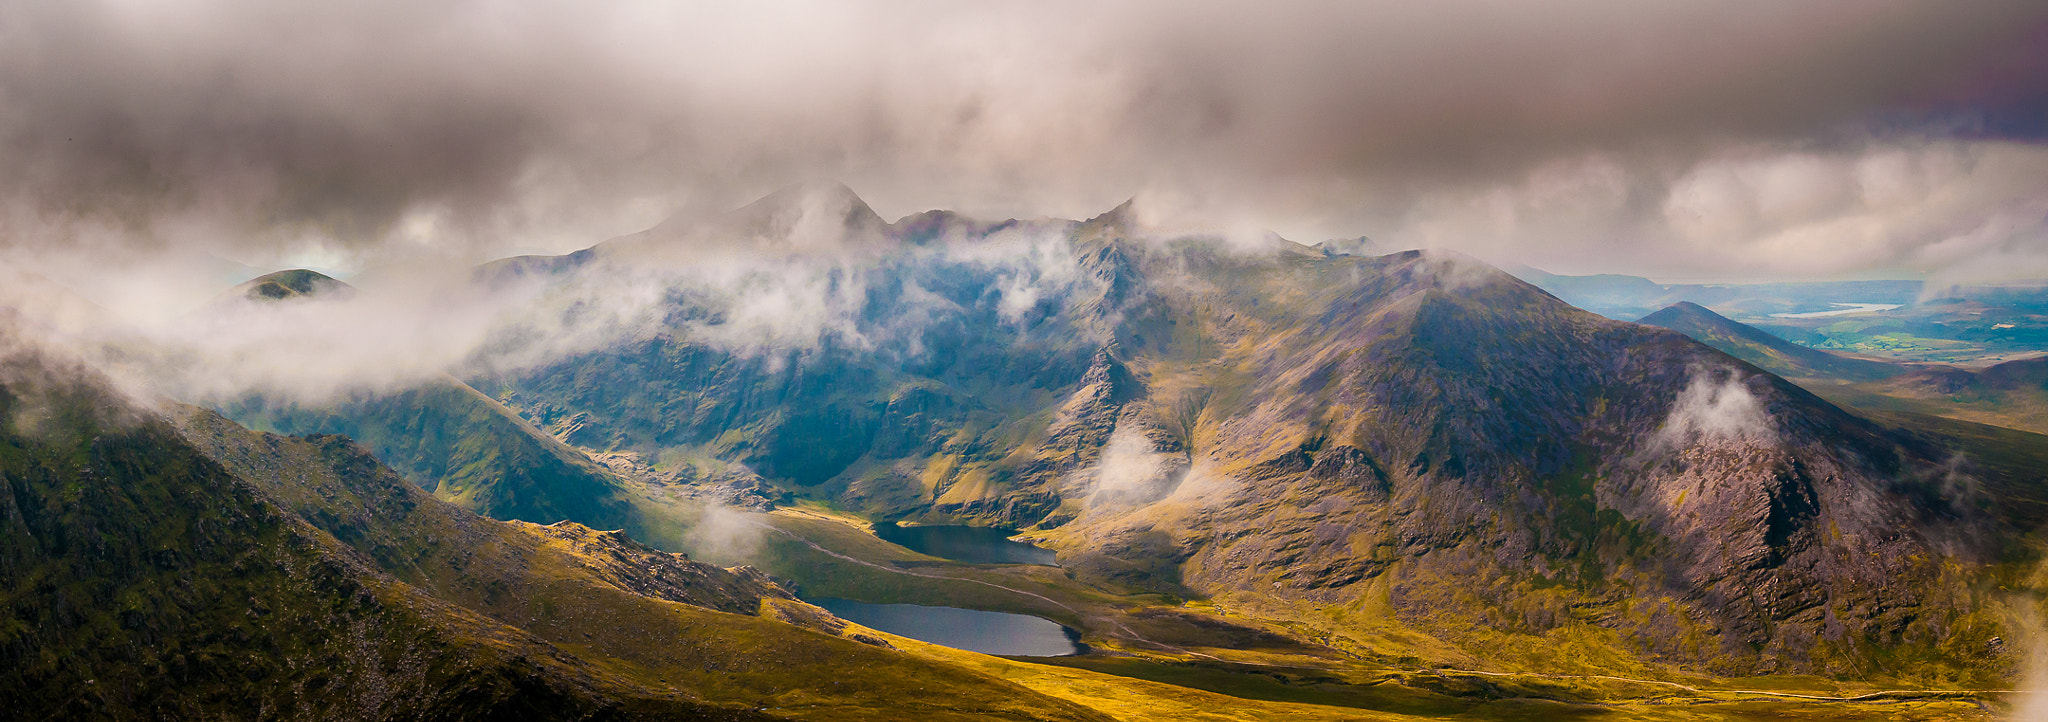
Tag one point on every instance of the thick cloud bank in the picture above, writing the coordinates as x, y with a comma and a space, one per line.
1832, 137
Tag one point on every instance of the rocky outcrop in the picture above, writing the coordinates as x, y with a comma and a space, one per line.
614, 558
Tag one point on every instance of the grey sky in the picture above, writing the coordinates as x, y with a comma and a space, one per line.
1768, 140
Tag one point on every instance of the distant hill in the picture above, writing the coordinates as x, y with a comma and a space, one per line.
291, 284
1769, 352
1623, 297
1611, 295
2012, 394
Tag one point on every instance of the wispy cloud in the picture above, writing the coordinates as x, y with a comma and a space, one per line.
1717, 407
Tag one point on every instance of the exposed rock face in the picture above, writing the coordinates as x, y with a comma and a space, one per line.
629, 565
1520, 438
730, 485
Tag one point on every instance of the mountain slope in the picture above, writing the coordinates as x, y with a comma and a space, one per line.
202, 570
1768, 352
1433, 422
291, 284
656, 618
465, 448
142, 579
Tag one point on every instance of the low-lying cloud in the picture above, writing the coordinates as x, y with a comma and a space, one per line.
166, 330
1717, 406
726, 535
1132, 471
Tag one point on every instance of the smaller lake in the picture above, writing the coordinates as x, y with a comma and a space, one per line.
976, 544
970, 629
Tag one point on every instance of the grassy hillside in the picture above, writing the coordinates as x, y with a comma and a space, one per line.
142, 579
467, 449
204, 571
2012, 394
654, 618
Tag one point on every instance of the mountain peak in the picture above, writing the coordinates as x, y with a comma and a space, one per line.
825, 203
1120, 216
826, 193
808, 216
291, 284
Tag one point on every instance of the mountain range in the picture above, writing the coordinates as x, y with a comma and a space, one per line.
1398, 461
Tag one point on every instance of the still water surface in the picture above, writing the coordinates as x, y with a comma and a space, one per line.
976, 544
969, 629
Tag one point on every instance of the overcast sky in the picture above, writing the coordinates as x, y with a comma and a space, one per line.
1681, 140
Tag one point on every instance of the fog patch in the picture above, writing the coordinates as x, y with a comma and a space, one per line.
1455, 272
44, 389
1717, 406
1132, 471
2029, 648
726, 535
1202, 486
1031, 265
163, 323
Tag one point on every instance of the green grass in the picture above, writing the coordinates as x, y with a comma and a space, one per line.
1302, 685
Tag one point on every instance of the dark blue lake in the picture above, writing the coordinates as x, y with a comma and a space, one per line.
975, 544
973, 630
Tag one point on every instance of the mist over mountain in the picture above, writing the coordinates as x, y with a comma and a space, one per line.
1273, 427
1146, 401
1173, 361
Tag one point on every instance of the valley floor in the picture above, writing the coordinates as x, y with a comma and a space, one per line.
1156, 658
